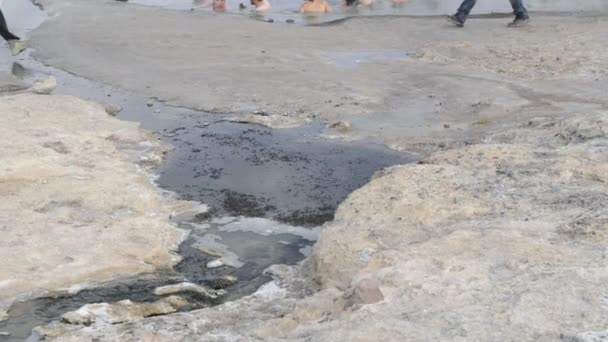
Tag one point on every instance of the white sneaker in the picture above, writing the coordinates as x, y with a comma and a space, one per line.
17, 46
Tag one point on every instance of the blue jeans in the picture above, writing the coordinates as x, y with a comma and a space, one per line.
467, 5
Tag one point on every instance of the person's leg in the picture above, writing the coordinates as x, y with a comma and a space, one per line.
460, 17
4, 32
521, 14
518, 9
465, 8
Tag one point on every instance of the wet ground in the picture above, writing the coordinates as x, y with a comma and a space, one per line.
252, 177
240, 170
258, 244
288, 10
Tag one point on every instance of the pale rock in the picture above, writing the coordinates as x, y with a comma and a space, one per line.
216, 263
188, 287
327, 302
62, 163
365, 291
576, 129
211, 252
111, 109
192, 213
412, 198
44, 87
123, 311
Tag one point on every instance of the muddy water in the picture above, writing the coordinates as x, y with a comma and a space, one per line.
283, 10
288, 175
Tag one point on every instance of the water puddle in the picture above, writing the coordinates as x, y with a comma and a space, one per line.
290, 175
351, 60
288, 10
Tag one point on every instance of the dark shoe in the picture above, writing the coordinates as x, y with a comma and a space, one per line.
456, 20
519, 22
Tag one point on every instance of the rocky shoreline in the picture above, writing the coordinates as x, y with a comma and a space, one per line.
498, 240
67, 221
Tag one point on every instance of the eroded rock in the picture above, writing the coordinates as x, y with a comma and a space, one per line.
578, 130
111, 109
192, 213
58, 166
486, 242
365, 291
57, 146
123, 311
44, 87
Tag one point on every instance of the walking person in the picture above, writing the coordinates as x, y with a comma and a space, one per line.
521, 14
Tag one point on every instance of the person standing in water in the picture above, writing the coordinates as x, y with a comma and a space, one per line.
315, 6
261, 6
521, 14
219, 5
10, 38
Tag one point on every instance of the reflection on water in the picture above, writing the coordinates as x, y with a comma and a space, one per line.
350, 60
288, 9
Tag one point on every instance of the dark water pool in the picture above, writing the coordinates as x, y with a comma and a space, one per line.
289, 175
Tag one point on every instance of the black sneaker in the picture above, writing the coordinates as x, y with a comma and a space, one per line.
519, 21
456, 20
